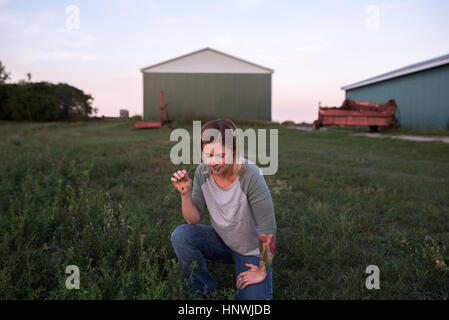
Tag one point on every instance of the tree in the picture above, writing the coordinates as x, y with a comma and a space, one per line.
73, 103
44, 101
4, 76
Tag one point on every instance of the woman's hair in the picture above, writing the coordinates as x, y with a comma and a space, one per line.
221, 125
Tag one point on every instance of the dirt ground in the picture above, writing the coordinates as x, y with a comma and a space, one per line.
405, 137
379, 135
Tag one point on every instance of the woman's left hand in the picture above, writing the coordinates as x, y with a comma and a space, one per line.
252, 276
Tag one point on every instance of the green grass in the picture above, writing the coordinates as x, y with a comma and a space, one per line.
391, 132
97, 195
414, 132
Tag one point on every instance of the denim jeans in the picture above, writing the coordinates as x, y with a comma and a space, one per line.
200, 243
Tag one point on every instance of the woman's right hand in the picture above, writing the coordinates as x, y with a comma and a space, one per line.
182, 182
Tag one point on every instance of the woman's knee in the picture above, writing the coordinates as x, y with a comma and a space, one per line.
260, 291
181, 234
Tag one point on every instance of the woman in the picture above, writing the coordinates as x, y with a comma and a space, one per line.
241, 211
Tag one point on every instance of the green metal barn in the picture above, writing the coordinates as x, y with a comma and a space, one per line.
208, 84
421, 92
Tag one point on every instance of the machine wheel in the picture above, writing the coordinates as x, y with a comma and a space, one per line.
316, 126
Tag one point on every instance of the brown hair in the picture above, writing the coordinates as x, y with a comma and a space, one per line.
221, 125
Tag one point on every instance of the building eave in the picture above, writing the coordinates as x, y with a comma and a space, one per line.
429, 64
143, 70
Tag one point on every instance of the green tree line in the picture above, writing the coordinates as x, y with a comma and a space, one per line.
42, 101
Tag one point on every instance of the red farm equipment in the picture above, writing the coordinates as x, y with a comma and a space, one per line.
155, 124
377, 117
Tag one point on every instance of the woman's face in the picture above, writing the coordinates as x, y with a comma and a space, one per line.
217, 157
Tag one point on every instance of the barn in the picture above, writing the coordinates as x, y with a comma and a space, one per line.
421, 92
208, 84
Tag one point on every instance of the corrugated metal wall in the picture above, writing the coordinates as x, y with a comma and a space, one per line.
242, 96
422, 97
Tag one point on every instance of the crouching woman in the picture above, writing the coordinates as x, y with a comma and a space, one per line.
243, 230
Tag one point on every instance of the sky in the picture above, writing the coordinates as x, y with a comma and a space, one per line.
315, 47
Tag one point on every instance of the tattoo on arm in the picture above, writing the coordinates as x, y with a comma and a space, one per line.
267, 246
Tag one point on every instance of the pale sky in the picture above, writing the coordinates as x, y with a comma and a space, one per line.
315, 47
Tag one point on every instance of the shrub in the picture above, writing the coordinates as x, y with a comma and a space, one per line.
43, 101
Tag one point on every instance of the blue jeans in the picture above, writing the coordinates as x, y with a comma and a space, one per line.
198, 243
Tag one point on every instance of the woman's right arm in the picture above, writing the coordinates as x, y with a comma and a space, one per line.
183, 184
189, 211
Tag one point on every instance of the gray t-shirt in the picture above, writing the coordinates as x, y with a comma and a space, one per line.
239, 212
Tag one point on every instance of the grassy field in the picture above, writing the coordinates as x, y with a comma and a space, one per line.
98, 195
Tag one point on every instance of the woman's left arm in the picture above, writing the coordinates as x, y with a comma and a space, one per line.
257, 274
267, 246
259, 198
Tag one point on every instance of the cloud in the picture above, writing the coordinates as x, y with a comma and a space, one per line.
34, 38
313, 47
227, 42
75, 39
397, 5
22, 27
246, 4
40, 55
150, 13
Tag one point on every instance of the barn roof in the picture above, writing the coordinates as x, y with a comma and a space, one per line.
206, 60
428, 64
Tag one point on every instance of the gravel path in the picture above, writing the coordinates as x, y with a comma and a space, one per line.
405, 137
378, 135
